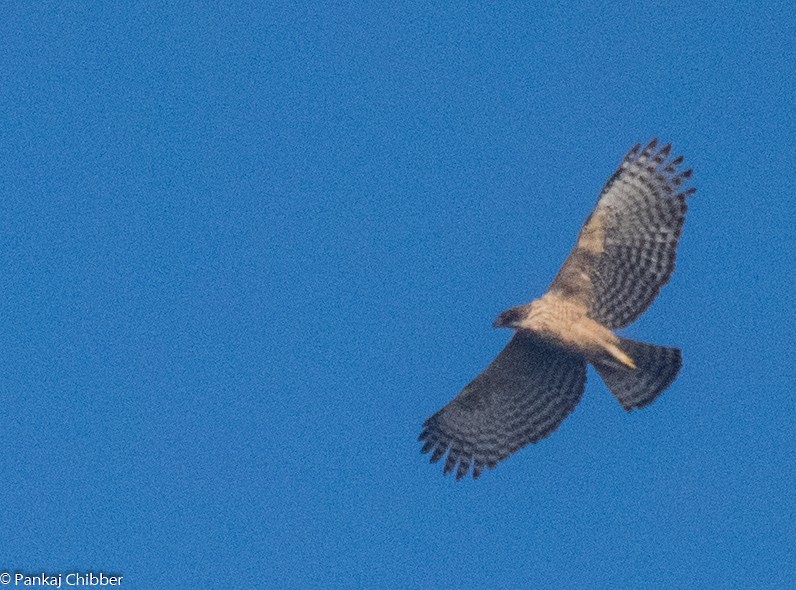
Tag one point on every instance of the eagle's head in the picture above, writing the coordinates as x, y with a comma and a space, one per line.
510, 318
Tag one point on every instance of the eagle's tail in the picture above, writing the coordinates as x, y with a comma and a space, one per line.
656, 368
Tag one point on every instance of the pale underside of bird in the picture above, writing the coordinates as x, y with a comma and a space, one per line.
624, 254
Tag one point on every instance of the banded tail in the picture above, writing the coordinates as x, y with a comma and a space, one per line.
656, 368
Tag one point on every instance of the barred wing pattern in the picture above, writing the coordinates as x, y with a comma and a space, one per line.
626, 250
520, 398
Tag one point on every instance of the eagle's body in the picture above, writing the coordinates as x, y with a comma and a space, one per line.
566, 324
623, 256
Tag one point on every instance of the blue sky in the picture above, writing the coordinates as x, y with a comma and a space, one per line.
248, 248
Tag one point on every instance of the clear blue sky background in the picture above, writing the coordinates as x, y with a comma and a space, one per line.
248, 248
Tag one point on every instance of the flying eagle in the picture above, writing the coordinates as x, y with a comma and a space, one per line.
623, 256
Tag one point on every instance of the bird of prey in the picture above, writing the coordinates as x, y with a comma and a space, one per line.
623, 256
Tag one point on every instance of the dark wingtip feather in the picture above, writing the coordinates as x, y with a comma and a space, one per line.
463, 468
450, 463
439, 450
633, 153
477, 468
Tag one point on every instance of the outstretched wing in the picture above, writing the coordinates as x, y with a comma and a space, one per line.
521, 397
625, 252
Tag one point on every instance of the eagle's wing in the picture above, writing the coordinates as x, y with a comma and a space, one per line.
521, 397
626, 249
